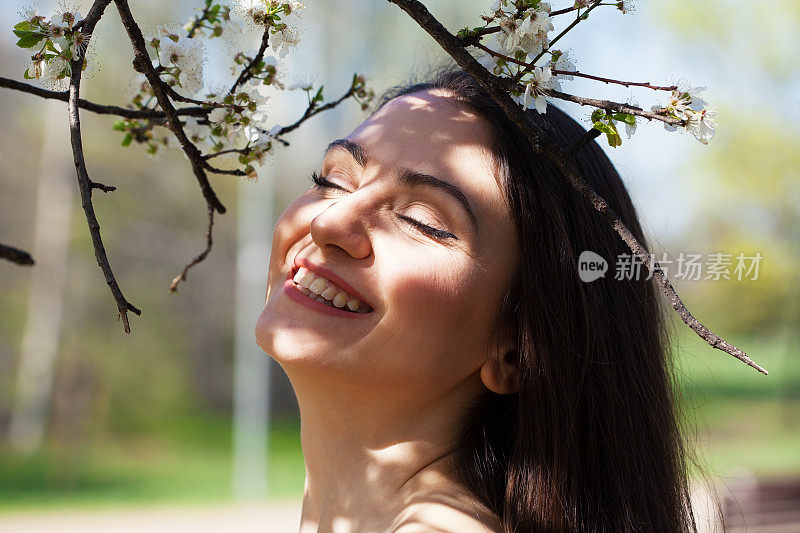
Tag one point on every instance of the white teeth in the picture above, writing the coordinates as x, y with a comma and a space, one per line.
303, 277
340, 299
329, 293
323, 291
318, 286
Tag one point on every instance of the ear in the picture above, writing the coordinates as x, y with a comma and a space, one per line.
500, 375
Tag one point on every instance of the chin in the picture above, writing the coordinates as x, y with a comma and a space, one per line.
291, 344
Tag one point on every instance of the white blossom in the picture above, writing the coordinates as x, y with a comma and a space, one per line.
541, 79
66, 16
217, 115
283, 40
489, 61
253, 134
701, 124
304, 82
34, 70
626, 6
564, 63
29, 12
528, 34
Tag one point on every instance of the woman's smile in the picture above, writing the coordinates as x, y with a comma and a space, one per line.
322, 290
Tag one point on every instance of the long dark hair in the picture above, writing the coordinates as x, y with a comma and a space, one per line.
592, 440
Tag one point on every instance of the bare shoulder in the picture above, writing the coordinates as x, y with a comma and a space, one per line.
450, 510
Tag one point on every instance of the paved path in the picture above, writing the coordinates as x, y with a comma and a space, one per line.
276, 517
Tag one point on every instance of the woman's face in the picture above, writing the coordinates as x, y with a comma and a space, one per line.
433, 292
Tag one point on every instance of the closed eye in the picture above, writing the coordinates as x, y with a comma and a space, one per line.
321, 182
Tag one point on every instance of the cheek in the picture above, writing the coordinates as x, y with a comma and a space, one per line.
292, 226
443, 316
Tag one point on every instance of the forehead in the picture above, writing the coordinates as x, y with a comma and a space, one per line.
428, 132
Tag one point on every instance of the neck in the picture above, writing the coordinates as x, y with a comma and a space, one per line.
366, 455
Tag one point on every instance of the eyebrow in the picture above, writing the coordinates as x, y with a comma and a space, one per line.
408, 177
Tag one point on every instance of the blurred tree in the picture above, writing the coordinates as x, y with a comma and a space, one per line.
750, 181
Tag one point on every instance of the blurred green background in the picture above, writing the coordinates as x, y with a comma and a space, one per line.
148, 417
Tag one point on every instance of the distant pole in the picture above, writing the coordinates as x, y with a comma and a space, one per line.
51, 232
251, 374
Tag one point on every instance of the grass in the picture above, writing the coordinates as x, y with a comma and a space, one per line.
746, 423
174, 467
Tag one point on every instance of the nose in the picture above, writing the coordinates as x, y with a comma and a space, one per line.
340, 228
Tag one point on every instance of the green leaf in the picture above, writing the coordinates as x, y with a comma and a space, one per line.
604, 127
119, 125
318, 97
627, 118
27, 76
23, 26
597, 115
126, 141
614, 140
29, 40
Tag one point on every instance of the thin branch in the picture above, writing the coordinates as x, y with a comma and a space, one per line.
312, 110
645, 84
180, 98
7, 83
615, 107
104, 188
173, 287
247, 73
223, 152
558, 37
215, 170
198, 20
15, 255
142, 64
557, 72
84, 183
475, 35
541, 142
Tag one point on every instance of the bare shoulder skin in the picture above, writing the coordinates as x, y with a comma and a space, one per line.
449, 508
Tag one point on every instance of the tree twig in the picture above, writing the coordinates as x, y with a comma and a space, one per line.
614, 106
84, 183
198, 20
312, 110
104, 188
142, 64
173, 287
543, 143
247, 73
15, 255
558, 37
100, 109
645, 84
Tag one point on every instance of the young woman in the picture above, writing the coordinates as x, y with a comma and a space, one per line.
453, 372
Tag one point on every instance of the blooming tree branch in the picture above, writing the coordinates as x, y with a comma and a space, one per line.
519, 67
562, 158
85, 184
100, 109
216, 120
